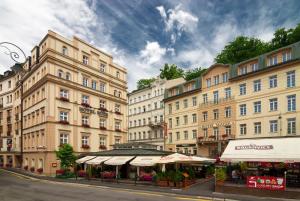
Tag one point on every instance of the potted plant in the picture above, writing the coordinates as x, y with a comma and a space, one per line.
178, 178
220, 175
85, 105
26, 167
162, 180
171, 178
117, 112
32, 169
63, 122
40, 170
85, 125
102, 128
64, 99
60, 172
118, 130
224, 135
102, 147
103, 109
85, 146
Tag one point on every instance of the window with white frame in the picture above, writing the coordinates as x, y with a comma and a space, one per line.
117, 108
85, 59
185, 119
243, 70
257, 107
256, 85
169, 106
290, 76
216, 114
85, 81
216, 132
186, 135
216, 96
254, 66
273, 81
194, 101
102, 67
63, 138
243, 110
194, 134
68, 76
243, 129
185, 103
177, 135
243, 89
63, 116
94, 84
227, 92
85, 99
225, 77
216, 79
205, 98
205, 132
102, 140
64, 93
85, 120
291, 99
228, 130
102, 104
177, 105
273, 126
208, 82
286, 56
194, 118
205, 116
291, 126
60, 73
118, 74
227, 112
103, 123
102, 86
117, 141
64, 50
273, 104
257, 128
177, 121
272, 60
84, 140
118, 125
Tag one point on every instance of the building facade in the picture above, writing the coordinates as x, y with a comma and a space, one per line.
267, 92
72, 93
10, 117
146, 113
216, 111
181, 115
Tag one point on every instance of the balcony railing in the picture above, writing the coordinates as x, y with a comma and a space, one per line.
213, 138
218, 101
156, 124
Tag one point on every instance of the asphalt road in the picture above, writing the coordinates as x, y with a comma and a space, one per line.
17, 188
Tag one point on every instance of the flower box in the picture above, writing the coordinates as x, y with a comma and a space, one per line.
64, 99
85, 105
8, 165
200, 138
32, 169
26, 167
60, 172
85, 125
85, 146
162, 183
224, 136
81, 173
103, 109
212, 137
64, 122
40, 170
102, 128
118, 130
102, 147
108, 175
117, 112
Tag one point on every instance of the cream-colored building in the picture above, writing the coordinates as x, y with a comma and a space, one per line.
216, 111
146, 112
10, 117
181, 115
72, 93
267, 91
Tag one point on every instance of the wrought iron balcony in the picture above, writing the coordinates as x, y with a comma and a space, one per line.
218, 101
213, 138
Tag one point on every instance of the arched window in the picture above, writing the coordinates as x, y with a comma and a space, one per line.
65, 50
60, 73
68, 76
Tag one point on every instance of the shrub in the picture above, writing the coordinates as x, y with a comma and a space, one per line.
162, 176
26, 167
40, 170
221, 174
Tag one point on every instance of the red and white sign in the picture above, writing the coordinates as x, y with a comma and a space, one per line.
265, 182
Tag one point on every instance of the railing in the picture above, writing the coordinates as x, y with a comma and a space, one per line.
156, 124
214, 102
213, 138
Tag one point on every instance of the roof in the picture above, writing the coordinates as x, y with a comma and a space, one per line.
129, 152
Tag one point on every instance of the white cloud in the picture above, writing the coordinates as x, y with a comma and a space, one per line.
152, 53
177, 21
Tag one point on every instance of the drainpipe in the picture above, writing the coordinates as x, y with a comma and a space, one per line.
21, 107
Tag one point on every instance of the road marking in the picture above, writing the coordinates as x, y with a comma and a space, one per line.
185, 198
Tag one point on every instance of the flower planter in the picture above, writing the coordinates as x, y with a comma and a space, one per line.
32, 169
60, 172
163, 183
85, 125
224, 136
26, 167
85, 146
64, 122
102, 128
118, 130
171, 184
40, 170
64, 99
103, 109
119, 113
179, 184
85, 105
102, 147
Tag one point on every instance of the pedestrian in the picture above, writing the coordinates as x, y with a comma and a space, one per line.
234, 176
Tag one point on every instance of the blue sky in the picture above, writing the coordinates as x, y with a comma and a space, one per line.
143, 35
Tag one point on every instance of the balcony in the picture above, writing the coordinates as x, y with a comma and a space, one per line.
8, 120
213, 139
156, 124
218, 101
17, 117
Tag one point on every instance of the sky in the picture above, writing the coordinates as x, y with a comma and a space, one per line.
143, 35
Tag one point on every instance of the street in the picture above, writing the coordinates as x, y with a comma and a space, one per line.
15, 188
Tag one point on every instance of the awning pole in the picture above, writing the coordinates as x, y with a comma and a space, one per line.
117, 173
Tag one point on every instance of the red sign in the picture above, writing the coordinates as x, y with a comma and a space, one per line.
265, 182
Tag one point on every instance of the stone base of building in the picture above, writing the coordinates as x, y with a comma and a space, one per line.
10, 159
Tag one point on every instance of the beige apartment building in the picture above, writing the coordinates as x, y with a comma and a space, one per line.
72, 93
10, 117
216, 111
267, 92
146, 113
181, 115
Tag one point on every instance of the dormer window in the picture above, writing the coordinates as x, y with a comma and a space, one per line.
272, 60
254, 66
216, 79
208, 82
64, 50
286, 56
243, 70
85, 60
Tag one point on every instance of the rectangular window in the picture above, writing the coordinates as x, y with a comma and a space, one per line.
177, 135
256, 85
85, 120
177, 105
291, 126
243, 129
243, 110
273, 126
243, 70
205, 98
254, 67
170, 123
216, 132
177, 121
102, 123
216, 97
194, 117
194, 100
185, 103
216, 79
205, 132
63, 116
85, 99
64, 93
242, 89
63, 138
227, 112
102, 67
186, 135
216, 114
94, 84
257, 128
227, 92
228, 130
273, 104
273, 60
290, 79
85, 140
102, 104
291, 103
118, 125
102, 141
170, 108
208, 82
205, 116
170, 138
117, 108
102, 87
257, 107
273, 81
85, 60
194, 134
85, 81
185, 119
286, 56
225, 77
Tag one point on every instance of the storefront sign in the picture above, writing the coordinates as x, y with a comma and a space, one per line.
101, 113
265, 182
254, 146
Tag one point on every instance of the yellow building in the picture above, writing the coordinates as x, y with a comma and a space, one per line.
181, 116
266, 90
72, 93
216, 111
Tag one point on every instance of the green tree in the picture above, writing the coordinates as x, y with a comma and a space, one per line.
194, 73
66, 156
143, 83
282, 37
295, 35
242, 48
170, 72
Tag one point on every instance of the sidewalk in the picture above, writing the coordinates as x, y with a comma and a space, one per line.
200, 190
